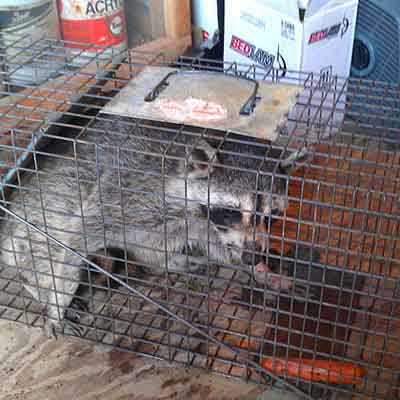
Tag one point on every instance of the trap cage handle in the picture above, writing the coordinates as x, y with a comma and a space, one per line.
246, 109
257, 366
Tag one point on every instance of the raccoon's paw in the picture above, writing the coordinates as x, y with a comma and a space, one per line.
71, 328
197, 264
262, 275
76, 310
52, 329
68, 325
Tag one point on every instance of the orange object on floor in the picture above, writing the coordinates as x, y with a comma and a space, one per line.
315, 370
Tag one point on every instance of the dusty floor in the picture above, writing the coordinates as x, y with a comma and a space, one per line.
34, 367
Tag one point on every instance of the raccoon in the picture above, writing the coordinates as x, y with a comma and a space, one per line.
159, 195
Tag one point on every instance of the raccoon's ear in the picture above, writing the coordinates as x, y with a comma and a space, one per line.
295, 160
200, 160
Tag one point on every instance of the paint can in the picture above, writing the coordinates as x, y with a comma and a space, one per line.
22, 24
93, 29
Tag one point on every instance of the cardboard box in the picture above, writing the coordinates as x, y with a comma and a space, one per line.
269, 33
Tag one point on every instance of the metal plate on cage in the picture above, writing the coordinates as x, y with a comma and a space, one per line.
207, 99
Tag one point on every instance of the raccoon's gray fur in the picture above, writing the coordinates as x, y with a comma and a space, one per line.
134, 189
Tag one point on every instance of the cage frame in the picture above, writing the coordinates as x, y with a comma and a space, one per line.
98, 72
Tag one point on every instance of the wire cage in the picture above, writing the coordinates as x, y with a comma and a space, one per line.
202, 246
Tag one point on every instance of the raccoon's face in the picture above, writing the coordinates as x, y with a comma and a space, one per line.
237, 187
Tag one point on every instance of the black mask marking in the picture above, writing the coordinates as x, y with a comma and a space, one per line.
222, 217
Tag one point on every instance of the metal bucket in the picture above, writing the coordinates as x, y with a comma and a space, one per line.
93, 29
22, 23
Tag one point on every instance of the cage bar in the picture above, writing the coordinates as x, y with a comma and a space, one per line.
335, 243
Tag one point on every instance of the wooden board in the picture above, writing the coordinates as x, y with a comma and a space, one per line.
36, 368
156, 19
177, 18
156, 16
205, 100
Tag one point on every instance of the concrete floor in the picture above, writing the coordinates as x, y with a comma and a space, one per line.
33, 367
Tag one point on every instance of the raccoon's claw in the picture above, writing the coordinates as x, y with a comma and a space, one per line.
74, 311
50, 329
71, 328
275, 282
73, 315
68, 325
80, 305
72, 318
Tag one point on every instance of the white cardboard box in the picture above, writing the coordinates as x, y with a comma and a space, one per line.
270, 33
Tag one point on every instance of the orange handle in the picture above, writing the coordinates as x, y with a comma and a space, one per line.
316, 370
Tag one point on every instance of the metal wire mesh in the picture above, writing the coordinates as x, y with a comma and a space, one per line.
196, 245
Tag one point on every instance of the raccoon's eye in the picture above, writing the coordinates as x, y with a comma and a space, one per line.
277, 212
260, 216
222, 217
